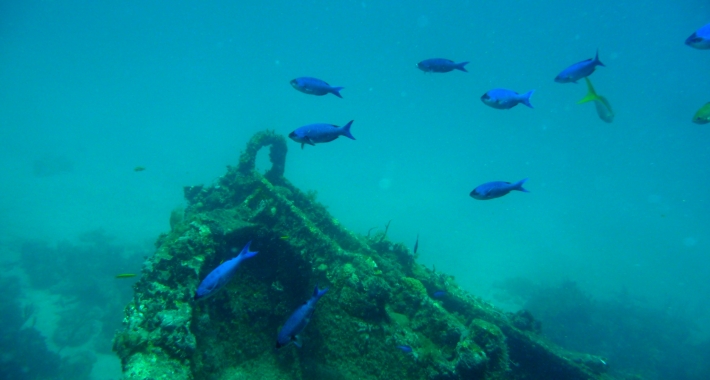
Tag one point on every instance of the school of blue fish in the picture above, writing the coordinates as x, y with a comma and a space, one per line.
498, 98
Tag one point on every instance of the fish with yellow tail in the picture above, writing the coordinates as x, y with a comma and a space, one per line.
703, 115
603, 107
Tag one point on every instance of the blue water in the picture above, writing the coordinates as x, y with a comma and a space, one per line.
179, 89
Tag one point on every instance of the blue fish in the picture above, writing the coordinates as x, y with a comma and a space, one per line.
440, 65
298, 320
406, 349
221, 275
504, 99
320, 133
497, 189
579, 70
315, 86
440, 294
700, 39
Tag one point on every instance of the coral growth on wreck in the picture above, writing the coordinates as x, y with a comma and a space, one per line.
379, 298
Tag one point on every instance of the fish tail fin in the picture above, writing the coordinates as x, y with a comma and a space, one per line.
246, 253
525, 98
336, 91
519, 185
345, 131
460, 66
591, 94
597, 61
318, 293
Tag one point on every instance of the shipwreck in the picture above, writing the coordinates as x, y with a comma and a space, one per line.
380, 298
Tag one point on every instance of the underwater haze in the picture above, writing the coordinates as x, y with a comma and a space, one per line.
93, 92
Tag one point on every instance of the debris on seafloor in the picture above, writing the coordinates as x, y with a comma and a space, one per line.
379, 299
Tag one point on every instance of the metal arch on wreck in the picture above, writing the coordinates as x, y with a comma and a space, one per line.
379, 299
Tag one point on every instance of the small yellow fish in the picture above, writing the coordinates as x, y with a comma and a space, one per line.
285, 237
126, 275
603, 107
703, 115
138, 169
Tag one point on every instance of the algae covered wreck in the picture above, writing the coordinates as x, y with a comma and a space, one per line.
379, 299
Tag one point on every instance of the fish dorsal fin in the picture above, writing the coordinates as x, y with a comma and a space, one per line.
591, 94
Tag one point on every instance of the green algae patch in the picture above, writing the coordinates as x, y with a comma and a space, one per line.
379, 298
413, 287
399, 319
